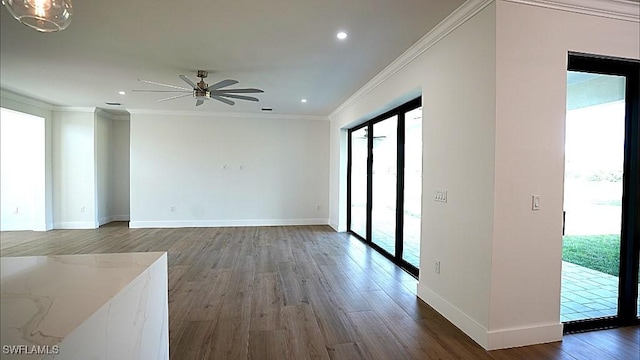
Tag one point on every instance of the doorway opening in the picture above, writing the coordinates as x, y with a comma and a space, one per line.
600, 233
22, 170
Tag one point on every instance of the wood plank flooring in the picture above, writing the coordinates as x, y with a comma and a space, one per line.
297, 292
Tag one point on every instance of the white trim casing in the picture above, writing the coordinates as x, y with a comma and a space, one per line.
108, 219
613, 9
220, 114
10, 95
72, 225
226, 223
491, 340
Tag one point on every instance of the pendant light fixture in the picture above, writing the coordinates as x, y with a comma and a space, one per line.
42, 15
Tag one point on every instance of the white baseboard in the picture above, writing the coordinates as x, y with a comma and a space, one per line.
108, 219
468, 325
334, 225
540, 334
225, 223
27, 227
494, 339
16, 227
76, 225
43, 227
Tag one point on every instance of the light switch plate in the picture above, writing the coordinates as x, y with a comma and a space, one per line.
535, 202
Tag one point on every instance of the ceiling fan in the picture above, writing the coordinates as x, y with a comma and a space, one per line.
366, 135
201, 91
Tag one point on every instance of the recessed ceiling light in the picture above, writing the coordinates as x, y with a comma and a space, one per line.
303, 100
341, 35
122, 93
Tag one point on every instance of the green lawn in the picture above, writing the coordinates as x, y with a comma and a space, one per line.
597, 252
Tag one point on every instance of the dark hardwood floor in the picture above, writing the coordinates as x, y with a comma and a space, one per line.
297, 292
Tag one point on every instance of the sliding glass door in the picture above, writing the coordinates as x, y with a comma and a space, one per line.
592, 196
358, 152
384, 184
601, 194
412, 186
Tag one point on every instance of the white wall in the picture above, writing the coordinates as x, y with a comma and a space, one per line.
119, 170
23, 169
43, 193
103, 135
493, 112
532, 47
457, 79
74, 172
223, 171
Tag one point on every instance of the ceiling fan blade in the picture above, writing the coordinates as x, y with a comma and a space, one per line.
174, 97
226, 101
199, 102
161, 84
221, 84
239, 91
188, 81
240, 97
162, 91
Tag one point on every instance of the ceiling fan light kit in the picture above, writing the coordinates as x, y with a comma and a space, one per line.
42, 15
201, 91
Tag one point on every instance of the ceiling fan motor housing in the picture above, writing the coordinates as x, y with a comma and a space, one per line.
202, 74
201, 93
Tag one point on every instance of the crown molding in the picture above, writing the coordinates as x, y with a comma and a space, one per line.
74, 109
23, 99
444, 28
219, 114
612, 9
112, 116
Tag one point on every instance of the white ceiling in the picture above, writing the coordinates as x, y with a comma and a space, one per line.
288, 48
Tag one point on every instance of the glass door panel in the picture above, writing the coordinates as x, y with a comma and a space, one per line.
384, 182
382, 210
412, 186
594, 164
359, 151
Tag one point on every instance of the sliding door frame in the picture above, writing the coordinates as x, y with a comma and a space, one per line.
400, 112
630, 229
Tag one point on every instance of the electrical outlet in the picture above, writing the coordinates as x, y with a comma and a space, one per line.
437, 268
81, 209
440, 195
172, 209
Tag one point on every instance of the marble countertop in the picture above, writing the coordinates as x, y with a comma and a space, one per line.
44, 298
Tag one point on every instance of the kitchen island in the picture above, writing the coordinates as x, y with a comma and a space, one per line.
93, 306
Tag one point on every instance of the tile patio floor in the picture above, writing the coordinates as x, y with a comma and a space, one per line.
587, 293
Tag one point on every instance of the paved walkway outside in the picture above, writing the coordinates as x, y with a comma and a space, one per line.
587, 293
